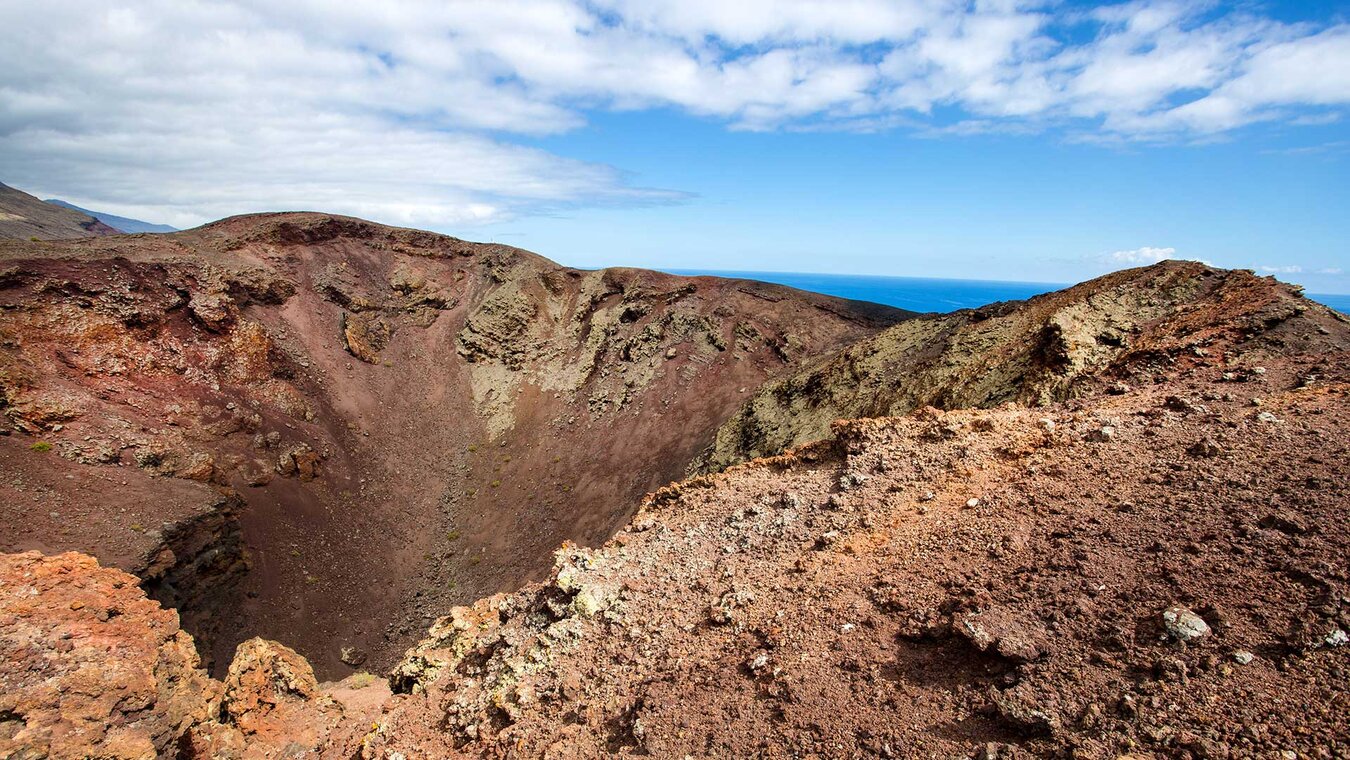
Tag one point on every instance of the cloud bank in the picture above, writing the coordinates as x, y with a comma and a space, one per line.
1141, 256
420, 112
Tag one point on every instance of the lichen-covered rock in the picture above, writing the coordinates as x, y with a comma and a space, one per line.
1050, 348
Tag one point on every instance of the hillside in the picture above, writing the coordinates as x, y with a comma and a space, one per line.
398, 421
24, 217
120, 223
1106, 333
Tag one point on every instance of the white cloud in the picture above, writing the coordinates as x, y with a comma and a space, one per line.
1290, 269
1141, 256
408, 110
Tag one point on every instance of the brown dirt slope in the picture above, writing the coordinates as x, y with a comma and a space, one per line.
402, 420
1049, 348
25, 217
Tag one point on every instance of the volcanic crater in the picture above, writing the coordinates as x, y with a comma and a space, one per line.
328, 432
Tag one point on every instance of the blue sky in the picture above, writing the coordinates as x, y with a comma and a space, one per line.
994, 207
996, 139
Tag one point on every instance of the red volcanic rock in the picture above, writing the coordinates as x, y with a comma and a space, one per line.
88, 666
272, 706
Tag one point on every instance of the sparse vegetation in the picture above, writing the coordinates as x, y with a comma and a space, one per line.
452, 535
362, 680
41, 447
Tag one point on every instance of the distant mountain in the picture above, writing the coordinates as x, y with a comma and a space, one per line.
23, 216
121, 223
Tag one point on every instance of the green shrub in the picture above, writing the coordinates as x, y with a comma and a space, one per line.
41, 447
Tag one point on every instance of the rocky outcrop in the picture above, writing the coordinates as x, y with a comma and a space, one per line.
1123, 328
88, 666
272, 706
181, 538
91, 668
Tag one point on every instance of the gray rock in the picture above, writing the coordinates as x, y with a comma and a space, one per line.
1104, 434
1184, 625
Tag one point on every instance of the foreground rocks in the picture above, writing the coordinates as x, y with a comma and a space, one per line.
91, 668
88, 666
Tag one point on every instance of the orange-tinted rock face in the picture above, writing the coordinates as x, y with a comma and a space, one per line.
91, 668
88, 666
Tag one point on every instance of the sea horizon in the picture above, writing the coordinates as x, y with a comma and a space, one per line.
925, 294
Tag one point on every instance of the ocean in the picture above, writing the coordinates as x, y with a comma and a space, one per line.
925, 294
